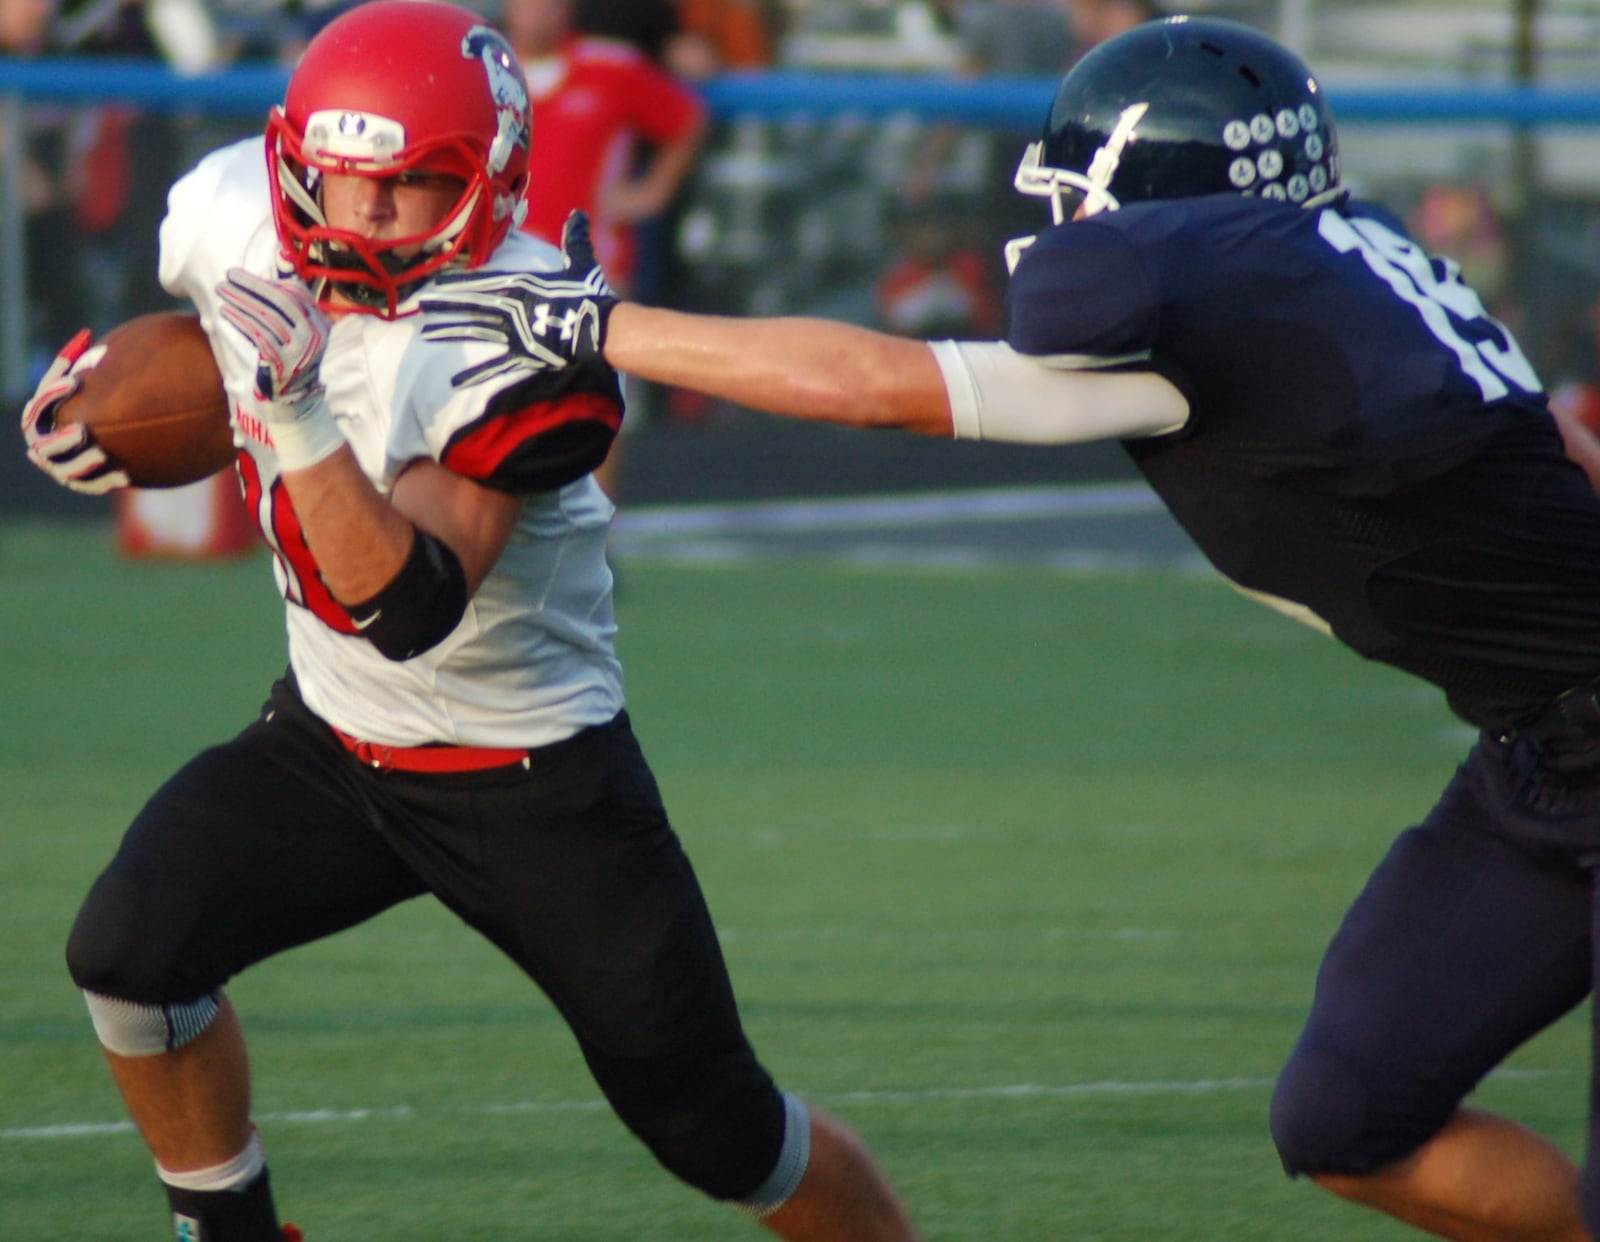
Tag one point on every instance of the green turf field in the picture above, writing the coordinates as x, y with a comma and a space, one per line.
1025, 874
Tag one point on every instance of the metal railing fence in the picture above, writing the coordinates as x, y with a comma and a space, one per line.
777, 98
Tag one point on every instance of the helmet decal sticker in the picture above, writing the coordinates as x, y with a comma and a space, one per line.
506, 87
344, 115
1183, 108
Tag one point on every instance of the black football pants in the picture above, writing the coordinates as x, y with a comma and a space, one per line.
281, 837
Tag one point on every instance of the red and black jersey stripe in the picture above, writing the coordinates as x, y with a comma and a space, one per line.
541, 433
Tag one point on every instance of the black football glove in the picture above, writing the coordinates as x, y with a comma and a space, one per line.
545, 321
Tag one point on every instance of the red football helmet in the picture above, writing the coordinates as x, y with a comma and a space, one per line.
387, 88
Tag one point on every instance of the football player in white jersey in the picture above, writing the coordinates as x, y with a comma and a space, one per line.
452, 721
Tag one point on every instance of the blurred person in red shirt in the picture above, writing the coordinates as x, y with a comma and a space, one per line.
594, 100
613, 134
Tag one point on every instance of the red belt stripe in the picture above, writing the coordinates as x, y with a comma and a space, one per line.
435, 759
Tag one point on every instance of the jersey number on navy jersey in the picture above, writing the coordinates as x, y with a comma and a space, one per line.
1496, 364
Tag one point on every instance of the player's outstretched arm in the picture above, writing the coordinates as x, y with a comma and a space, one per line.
813, 369
804, 368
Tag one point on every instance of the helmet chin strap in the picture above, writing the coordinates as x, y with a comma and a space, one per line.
298, 194
360, 292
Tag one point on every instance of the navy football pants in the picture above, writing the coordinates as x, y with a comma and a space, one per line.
1474, 933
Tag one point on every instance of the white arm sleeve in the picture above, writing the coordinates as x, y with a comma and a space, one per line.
999, 394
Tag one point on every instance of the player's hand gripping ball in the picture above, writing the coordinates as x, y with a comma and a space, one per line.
145, 406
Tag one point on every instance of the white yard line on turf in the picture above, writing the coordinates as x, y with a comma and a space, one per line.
1023, 1091
997, 505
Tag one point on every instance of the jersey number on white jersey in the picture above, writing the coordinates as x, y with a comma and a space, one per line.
294, 566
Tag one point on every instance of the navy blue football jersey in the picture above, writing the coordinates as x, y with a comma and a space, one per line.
1365, 440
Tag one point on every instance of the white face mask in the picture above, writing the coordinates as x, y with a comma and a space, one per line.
1072, 195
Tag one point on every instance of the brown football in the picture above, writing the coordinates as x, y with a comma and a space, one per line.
155, 401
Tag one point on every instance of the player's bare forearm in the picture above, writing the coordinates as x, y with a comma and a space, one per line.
358, 538
473, 520
361, 538
813, 369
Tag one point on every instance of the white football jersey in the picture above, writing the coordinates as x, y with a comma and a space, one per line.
532, 661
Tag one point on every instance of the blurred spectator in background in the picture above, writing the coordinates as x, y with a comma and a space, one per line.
613, 133
696, 41
272, 32
1463, 222
649, 25
131, 156
720, 35
1014, 38
1095, 21
48, 183
939, 285
1000, 39
592, 100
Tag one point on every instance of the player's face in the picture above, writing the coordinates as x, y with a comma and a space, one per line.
383, 208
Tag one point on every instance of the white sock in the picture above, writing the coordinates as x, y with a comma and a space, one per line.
229, 1175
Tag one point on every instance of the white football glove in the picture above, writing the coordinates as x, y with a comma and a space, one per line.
544, 321
290, 333
67, 452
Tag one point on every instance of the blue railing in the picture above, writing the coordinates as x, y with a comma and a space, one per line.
1008, 102
1014, 104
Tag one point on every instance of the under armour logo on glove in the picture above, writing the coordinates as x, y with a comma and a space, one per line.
544, 322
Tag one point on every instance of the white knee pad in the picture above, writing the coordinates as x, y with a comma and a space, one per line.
131, 1029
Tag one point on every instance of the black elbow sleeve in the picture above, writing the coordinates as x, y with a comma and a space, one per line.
422, 604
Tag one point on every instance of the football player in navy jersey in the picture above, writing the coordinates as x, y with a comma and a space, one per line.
453, 720
1348, 435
